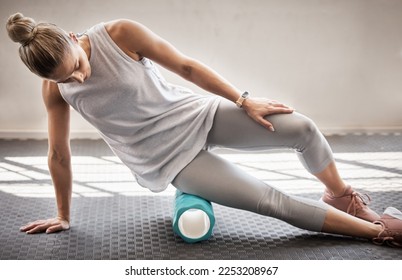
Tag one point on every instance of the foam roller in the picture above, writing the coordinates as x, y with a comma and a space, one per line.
193, 217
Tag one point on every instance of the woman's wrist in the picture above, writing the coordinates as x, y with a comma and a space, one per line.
246, 104
242, 99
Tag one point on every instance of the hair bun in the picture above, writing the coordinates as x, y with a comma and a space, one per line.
21, 29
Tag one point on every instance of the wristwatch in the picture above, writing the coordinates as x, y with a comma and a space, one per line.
241, 99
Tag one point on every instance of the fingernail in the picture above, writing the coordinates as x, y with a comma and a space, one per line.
272, 128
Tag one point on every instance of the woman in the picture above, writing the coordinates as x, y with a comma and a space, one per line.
163, 132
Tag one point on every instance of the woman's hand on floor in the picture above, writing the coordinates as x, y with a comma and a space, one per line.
258, 108
48, 226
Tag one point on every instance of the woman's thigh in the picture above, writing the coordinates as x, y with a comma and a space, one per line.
220, 181
234, 129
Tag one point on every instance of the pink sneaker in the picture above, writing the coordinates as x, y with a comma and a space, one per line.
352, 203
391, 234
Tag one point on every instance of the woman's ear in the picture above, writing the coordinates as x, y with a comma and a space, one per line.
73, 37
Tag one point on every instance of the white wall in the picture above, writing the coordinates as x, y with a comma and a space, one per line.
339, 62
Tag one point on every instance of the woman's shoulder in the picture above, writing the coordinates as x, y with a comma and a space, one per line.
126, 34
124, 28
120, 25
51, 94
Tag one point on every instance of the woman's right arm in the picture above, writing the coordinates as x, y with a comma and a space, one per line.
59, 160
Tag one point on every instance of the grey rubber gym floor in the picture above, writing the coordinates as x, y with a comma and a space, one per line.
114, 218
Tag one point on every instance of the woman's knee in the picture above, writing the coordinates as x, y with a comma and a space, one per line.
307, 128
299, 128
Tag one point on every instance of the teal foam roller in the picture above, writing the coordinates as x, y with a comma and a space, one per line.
193, 217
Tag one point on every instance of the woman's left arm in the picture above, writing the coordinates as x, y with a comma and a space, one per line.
138, 41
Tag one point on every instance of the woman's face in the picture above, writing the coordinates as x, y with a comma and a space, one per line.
75, 67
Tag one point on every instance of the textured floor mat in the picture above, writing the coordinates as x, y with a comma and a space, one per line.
114, 218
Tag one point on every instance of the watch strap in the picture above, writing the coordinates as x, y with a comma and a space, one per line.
241, 99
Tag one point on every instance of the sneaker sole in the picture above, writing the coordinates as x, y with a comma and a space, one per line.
393, 212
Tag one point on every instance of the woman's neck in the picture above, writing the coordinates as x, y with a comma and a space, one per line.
84, 43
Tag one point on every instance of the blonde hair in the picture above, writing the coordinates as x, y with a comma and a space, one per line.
43, 45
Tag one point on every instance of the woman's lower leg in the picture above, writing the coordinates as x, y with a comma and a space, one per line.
338, 222
332, 180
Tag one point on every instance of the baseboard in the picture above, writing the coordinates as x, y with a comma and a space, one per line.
328, 131
41, 135
91, 134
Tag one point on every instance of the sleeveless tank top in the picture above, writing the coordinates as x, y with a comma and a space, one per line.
153, 127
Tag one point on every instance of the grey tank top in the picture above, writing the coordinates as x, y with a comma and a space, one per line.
155, 128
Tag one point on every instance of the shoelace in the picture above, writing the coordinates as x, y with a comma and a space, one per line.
379, 240
356, 202
387, 238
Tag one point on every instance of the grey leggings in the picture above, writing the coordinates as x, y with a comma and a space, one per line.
215, 179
